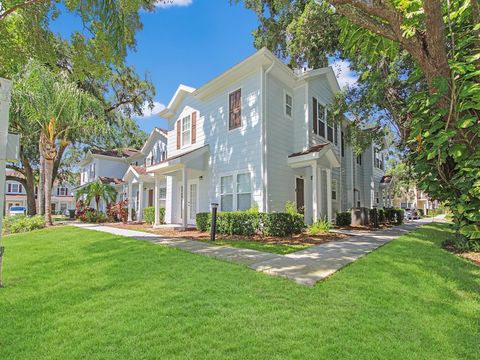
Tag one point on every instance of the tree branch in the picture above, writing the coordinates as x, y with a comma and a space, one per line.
19, 6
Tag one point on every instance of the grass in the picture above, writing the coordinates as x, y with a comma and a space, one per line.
260, 246
75, 294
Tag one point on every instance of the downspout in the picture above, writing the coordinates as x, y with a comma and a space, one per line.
264, 135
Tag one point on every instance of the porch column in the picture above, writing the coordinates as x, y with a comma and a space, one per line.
129, 197
329, 193
315, 191
184, 202
157, 199
140, 201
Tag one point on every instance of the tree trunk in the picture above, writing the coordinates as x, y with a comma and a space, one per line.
30, 189
58, 160
41, 185
48, 191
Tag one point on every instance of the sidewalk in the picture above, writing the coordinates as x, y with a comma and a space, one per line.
305, 267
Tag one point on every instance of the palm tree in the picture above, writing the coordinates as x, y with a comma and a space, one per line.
58, 107
97, 190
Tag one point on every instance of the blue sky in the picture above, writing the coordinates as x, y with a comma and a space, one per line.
189, 42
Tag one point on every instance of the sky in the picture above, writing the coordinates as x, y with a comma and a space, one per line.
190, 42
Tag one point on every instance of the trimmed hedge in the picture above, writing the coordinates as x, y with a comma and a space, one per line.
344, 218
21, 223
394, 216
249, 223
149, 215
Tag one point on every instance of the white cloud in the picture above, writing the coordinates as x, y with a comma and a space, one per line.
345, 76
157, 107
171, 3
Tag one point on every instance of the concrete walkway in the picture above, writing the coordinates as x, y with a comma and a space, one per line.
305, 267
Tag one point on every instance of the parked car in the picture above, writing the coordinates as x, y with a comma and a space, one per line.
17, 210
411, 214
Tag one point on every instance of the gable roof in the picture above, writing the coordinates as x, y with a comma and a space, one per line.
262, 57
152, 135
118, 153
110, 180
311, 149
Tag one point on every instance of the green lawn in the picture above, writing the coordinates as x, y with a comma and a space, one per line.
260, 246
79, 294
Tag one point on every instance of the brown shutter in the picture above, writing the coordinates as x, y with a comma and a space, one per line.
315, 116
235, 110
194, 127
178, 134
9, 187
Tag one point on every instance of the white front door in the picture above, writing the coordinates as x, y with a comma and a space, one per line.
192, 201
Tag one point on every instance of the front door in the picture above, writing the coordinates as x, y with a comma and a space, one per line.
192, 201
150, 197
300, 195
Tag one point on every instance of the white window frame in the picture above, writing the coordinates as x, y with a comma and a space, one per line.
17, 191
319, 121
162, 193
335, 189
183, 130
235, 193
286, 106
232, 193
62, 189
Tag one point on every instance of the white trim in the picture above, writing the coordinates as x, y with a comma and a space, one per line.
285, 94
234, 174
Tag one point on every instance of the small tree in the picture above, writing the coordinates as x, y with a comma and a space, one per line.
97, 190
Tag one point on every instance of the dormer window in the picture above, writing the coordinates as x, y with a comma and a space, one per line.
186, 131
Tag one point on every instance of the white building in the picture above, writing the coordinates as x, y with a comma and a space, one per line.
125, 169
261, 135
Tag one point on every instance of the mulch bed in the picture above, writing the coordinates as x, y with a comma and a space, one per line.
474, 257
365, 228
300, 239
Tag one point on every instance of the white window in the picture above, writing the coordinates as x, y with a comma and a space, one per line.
329, 127
244, 192
15, 188
186, 131
226, 193
321, 116
334, 189
163, 193
62, 191
92, 171
288, 105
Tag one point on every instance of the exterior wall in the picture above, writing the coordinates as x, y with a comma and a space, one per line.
157, 151
115, 168
231, 151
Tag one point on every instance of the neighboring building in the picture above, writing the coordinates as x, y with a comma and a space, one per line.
414, 199
125, 169
15, 195
261, 135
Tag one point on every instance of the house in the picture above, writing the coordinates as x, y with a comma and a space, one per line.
414, 198
260, 135
62, 195
125, 170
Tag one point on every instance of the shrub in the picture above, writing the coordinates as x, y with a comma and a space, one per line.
21, 223
281, 224
394, 216
238, 223
149, 214
460, 243
344, 218
91, 216
321, 226
421, 213
203, 221
291, 208
161, 216
118, 211
381, 215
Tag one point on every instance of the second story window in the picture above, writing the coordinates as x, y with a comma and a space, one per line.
342, 143
319, 116
359, 159
186, 131
62, 191
235, 109
288, 105
330, 126
14, 188
378, 159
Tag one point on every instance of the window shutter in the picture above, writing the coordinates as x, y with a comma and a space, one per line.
20, 188
9, 187
194, 127
315, 116
235, 109
178, 134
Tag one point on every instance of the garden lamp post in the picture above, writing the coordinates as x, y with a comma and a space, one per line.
213, 227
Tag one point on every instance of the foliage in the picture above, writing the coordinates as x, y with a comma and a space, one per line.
343, 218
149, 215
21, 223
394, 216
460, 243
96, 191
281, 224
321, 226
291, 208
92, 216
203, 221
250, 222
118, 211
381, 216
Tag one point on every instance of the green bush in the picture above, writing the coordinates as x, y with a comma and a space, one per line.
281, 224
381, 215
203, 221
21, 223
460, 243
421, 213
91, 216
149, 214
344, 218
321, 226
394, 216
250, 222
237, 223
